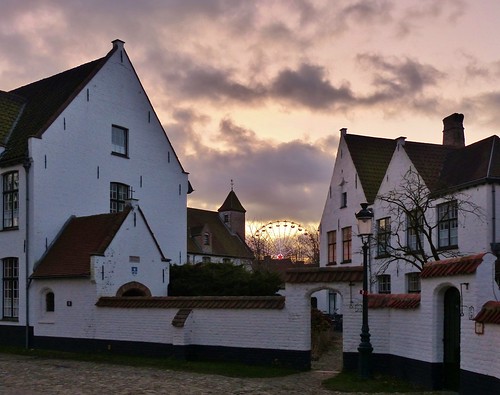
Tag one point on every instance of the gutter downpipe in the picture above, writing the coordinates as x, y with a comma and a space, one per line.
27, 165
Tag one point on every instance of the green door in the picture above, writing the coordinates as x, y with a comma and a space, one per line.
451, 357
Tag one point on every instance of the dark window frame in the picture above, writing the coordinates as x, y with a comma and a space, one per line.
384, 283
50, 302
10, 182
413, 283
119, 148
383, 236
10, 289
332, 247
117, 199
347, 244
343, 200
414, 231
447, 214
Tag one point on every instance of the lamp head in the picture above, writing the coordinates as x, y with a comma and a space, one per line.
365, 220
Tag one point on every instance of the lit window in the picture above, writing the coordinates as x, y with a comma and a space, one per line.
332, 247
118, 194
11, 200
413, 282
383, 236
384, 284
346, 244
448, 225
10, 288
119, 140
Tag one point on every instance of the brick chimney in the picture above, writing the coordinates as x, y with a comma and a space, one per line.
453, 131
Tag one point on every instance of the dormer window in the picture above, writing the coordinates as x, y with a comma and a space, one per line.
206, 239
119, 140
226, 218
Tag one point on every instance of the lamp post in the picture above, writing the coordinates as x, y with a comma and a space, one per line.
365, 221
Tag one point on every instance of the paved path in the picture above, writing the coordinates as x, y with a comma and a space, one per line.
32, 375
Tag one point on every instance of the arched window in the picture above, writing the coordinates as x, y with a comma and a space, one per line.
133, 288
49, 301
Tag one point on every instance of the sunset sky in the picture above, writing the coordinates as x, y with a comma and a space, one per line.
256, 91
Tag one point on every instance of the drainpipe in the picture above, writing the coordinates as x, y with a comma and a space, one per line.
27, 165
493, 215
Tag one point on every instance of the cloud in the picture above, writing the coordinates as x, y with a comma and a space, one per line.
274, 180
309, 87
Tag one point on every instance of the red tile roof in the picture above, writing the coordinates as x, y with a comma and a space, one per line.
490, 313
195, 302
81, 237
325, 274
393, 301
453, 266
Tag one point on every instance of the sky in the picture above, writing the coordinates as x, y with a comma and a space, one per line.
255, 91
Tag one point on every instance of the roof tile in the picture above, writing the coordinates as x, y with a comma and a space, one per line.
394, 301
325, 274
490, 313
453, 266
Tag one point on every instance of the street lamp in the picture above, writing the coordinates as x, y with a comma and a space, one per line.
365, 222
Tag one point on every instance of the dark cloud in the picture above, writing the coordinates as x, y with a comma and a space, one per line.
273, 180
309, 87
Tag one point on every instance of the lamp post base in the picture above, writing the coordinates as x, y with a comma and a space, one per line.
365, 350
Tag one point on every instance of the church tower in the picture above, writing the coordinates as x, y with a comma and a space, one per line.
232, 214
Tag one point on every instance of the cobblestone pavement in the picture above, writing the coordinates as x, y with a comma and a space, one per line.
26, 375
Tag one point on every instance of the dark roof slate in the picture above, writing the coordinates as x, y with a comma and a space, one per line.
232, 203
490, 313
11, 107
44, 101
394, 301
371, 157
194, 302
82, 237
223, 242
325, 274
452, 266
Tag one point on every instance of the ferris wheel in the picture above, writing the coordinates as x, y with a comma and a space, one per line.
281, 239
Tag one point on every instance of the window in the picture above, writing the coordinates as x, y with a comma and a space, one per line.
226, 218
49, 301
497, 272
448, 225
346, 244
206, 259
206, 239
383, 236
332, 247
119, 193
10, 288
11, 200
226, 260
343, 200
413, 282
119, 140
332, 302
414, 231
384, 283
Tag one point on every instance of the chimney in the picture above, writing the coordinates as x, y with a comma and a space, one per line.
453, 131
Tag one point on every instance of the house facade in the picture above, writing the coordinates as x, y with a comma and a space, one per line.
218, 236
432, 204
82, 143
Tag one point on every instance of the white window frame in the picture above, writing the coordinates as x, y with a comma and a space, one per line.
119, 140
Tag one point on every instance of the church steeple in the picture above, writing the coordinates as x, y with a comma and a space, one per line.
232, 213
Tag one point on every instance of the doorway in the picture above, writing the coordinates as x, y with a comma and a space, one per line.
451, 340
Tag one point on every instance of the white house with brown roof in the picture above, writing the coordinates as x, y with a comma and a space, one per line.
431, 203
80, 144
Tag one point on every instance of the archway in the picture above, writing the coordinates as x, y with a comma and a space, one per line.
133, 288
451, 339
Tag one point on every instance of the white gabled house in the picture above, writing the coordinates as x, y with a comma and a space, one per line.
80, 144
445, 287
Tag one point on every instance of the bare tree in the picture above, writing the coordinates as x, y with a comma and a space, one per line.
412, 233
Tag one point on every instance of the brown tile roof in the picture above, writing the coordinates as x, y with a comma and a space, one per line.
325, 274
181, 317
393, 301
44, 101
371, 156
11, 107
490, 313
195, 302
232, 203
80, 238
223, 242
452, 266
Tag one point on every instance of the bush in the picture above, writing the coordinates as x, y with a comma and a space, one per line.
221, 279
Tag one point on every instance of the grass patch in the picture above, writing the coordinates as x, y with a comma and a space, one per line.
350, 382
207, 367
